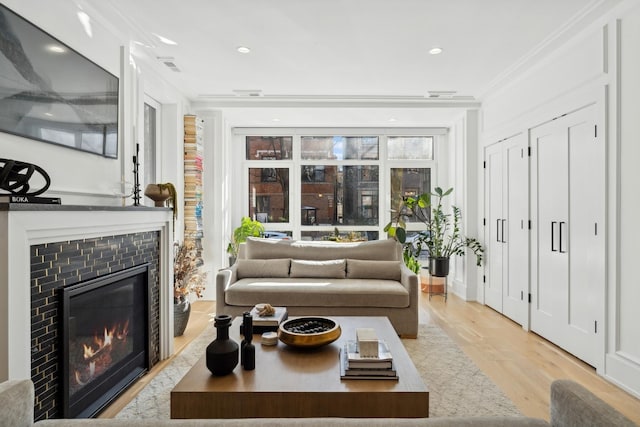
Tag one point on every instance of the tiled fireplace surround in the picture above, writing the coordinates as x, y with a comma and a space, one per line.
61, 246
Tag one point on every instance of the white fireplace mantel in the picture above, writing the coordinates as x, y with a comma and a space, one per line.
23, 226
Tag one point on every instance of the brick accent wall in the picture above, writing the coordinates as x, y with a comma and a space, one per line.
60, 264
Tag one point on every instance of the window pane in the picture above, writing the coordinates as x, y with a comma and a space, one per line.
344, 236
269, 147
339, 148
333, 195
409, 182
150, 116
269, 194
410, 147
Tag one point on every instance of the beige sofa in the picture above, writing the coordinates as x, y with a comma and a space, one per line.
322, 279
571, 406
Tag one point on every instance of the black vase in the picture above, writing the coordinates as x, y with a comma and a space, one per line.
222, 353
439, 267
248, 350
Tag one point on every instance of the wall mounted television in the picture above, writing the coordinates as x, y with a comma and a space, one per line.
51, 93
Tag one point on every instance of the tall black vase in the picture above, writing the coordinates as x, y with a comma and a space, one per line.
222, 353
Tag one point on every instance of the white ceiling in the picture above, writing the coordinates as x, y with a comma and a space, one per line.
369, 51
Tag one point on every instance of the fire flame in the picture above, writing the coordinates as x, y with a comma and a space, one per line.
101, 346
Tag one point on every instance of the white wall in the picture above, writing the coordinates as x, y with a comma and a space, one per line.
88, 179
462, 171
73, 173
623, 344
588, 70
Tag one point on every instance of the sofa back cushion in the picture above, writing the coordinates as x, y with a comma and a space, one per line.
330, 269
380, 250
365, 269
263, 267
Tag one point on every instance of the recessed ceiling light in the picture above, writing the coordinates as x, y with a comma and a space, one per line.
48, 114
393, 119
243, 49
435, 51
165, 40
56, 49
275, 119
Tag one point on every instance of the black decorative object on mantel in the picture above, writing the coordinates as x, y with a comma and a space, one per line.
222, 353
136, 179
15, 176
248, 350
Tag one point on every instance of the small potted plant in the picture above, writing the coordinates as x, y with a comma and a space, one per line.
187, 278
442, 236
248, 228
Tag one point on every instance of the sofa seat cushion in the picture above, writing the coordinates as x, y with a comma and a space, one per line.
315, 292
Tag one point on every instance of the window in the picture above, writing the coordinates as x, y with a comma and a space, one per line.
268, 147
339, 147
269, 194
344, 186
409, 182
410, 147
150, 141
338, 198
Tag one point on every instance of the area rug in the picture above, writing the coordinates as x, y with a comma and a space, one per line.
457, 387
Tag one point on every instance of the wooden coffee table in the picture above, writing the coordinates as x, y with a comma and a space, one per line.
290, 382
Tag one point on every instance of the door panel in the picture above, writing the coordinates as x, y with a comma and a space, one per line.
516, 207
493, 276
586, 202
568, 260
552, 200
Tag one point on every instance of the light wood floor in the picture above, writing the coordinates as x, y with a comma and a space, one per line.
521, 363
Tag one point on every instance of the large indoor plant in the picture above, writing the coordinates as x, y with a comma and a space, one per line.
441, 237
187, 278
248, 228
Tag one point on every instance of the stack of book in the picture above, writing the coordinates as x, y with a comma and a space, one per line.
193, 153
267, 323
355, 366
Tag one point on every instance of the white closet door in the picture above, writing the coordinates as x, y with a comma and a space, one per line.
585, 296
568, 263
494, 263
515, 286
548, 292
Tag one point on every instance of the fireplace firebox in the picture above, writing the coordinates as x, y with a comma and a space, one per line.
105, 339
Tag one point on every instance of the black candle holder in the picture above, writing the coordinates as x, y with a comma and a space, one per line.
136, 178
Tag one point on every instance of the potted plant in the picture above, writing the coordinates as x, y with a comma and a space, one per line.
442, 237
248, 228
187, 278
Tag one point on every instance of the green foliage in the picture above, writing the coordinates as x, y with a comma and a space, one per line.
442, 236
410, 259
248, 228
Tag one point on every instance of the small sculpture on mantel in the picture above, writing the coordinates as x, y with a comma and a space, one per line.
15, 176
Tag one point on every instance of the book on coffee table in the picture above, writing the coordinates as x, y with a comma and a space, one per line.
377, 372
263, 324
384, 360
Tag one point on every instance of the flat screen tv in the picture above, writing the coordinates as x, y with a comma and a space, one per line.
51, 93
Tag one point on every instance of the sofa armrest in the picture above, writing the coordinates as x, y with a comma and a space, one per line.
16, 403
573, 405
224, 278
409, 280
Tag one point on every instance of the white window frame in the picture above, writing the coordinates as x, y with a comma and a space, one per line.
240, 204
